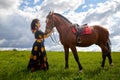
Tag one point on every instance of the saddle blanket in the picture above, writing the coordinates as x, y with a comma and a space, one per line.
82, 30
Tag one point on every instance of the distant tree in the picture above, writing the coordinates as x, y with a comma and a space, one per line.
14, 49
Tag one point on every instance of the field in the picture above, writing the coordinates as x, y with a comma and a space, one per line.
13, 67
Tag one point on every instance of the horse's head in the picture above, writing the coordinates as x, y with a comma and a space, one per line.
49, 22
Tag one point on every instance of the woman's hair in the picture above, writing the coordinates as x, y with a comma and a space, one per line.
33, 23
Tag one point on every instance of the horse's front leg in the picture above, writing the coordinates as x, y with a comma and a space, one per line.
74, 51
66, 49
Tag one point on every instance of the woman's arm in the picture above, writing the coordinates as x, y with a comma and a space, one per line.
46, 35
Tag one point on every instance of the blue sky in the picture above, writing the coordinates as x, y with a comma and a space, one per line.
87, 4
16, 18
30, 3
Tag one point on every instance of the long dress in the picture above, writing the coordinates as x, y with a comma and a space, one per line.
38, 57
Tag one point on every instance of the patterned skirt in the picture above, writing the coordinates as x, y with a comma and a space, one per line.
38, 57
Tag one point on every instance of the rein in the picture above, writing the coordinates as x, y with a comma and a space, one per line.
54, 39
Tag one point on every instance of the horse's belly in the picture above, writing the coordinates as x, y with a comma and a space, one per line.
83, 44
87, 40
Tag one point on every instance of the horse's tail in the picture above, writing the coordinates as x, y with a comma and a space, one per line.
109, 52
109, 45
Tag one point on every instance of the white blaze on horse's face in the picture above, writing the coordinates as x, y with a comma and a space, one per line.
47, 30
49, 24
46, 21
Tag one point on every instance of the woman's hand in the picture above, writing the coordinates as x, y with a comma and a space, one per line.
49, 33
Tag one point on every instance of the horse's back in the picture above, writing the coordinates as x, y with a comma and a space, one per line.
103, 34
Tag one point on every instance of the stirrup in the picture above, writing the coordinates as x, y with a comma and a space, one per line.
79, 40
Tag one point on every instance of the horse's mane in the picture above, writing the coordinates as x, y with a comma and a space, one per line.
62, 17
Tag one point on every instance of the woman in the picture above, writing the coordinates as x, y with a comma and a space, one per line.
38, 58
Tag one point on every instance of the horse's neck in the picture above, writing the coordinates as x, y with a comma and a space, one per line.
61, 25
62, 28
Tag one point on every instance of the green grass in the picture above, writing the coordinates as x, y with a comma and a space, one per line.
13, 67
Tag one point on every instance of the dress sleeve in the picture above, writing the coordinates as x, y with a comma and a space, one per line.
39, 35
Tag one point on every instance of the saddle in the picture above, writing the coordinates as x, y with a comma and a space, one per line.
81, 30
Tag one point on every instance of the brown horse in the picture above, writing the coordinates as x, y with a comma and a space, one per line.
99, 36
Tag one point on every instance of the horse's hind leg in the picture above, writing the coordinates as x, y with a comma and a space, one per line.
109, 53
104, 54
74, 51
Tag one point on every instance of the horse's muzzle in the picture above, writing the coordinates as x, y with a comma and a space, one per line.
47, 30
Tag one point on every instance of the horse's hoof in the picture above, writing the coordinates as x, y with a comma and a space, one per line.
111, 64
81, 71
66, 67
101, 67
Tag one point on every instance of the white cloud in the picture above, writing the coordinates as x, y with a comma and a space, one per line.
14, 24
60, 5
85, 6
9, 4
2, 41
35, 1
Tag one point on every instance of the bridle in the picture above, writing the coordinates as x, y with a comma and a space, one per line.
51, 25
50, 29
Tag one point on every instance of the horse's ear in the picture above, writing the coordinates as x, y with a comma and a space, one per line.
51, 12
